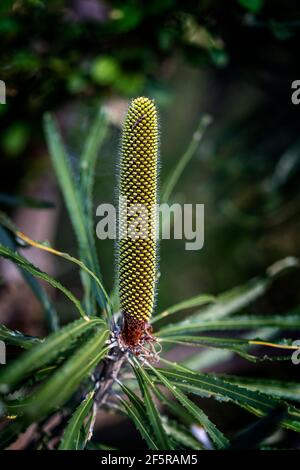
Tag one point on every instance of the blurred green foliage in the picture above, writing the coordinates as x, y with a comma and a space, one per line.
53, 52
233, 59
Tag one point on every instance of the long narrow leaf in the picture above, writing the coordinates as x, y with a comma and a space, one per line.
72, 437
186, 157
255, 402
287, 322
35, 271
154, 417
66, 179
235, 300
65, 380
15, 338
228, 303
40, 293
275, 388
196, 301
217, 436
44, 352
67, 257
238, 345
211, 357
72, 199
139, 416
89, 157
87, 176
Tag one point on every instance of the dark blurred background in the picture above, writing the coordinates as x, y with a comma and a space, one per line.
235, 60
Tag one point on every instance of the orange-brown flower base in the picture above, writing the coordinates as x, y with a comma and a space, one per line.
136, 337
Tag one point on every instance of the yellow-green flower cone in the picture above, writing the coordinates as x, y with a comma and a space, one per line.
138, 188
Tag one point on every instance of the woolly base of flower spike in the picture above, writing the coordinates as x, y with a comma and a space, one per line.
136, 337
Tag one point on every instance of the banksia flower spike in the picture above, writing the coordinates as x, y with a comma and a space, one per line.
137, 251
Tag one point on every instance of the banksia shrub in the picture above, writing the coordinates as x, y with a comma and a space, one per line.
137, 218
61, 381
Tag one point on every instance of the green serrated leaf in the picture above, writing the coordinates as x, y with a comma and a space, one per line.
40, 293
226, 304
7, 223
237, 345
35, 271
72, 438
139, 417
44, 352
254, 402
133, 397
233, 301
65, 380
16, 338
188, 326
153, 414
275, 388
220, 441
212, 357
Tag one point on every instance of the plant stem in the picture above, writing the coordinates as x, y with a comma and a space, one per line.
110, 372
